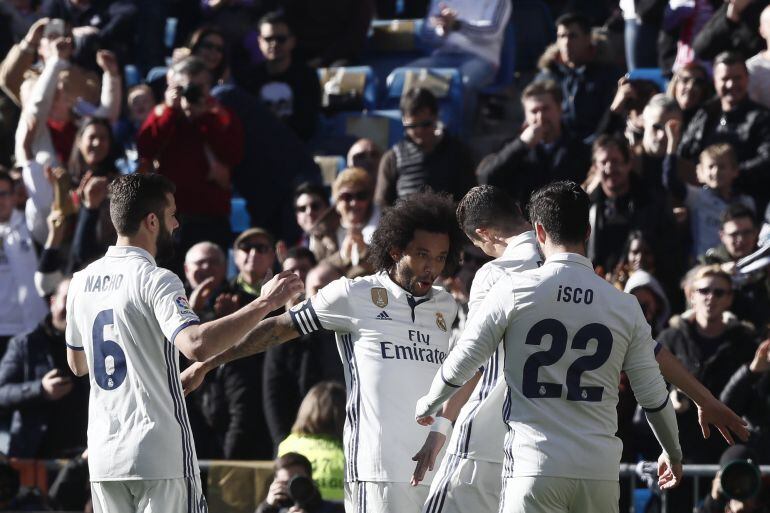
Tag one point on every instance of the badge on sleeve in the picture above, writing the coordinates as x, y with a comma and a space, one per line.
440, 322
183, 306
380, 297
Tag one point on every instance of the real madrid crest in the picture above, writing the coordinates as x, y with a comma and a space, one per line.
380, 297
440, 322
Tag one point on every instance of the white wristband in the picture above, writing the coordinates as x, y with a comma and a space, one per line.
441, 425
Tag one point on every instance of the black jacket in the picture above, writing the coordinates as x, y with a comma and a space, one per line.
520, 170
721, 34
748, 394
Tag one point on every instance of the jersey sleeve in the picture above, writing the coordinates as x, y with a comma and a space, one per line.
328, 309
484, 280
641, 366
72, 333
169, 302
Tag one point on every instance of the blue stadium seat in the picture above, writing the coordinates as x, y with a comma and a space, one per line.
239, 216
370, 82
534, 31
450, 104
381, 126
652, 74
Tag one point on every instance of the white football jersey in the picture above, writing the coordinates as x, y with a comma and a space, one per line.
391, 345
567, 334
480, 428
124, 312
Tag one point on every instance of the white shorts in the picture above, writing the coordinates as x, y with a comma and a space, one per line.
384, 497
543, 494
462, 485
183, 495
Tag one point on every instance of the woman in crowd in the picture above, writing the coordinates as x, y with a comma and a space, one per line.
690, 87
317, 434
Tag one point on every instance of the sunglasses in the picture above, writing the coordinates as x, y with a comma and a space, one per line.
717, 293
347, 197
260, 248
310, 207
276, 39
212, 46
422, 124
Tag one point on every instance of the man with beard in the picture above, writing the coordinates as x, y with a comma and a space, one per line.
392, 330
127, 320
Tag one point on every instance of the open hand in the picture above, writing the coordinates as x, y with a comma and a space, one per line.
426, 456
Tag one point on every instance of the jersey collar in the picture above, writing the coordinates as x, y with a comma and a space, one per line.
527, 237
570, 258
395, 289
122, 251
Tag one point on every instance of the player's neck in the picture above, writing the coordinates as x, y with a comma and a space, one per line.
550, 249
138, 241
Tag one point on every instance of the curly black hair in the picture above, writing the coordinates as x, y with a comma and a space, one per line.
429, 211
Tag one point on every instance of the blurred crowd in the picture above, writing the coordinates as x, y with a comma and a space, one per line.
671, 139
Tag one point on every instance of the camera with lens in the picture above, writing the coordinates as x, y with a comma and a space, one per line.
740, 480
193, 93
304, 492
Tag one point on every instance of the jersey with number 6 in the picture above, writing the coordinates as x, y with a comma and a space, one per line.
567, 335
124, 312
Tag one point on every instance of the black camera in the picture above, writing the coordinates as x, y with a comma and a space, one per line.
304, 493
740, 480
193, 93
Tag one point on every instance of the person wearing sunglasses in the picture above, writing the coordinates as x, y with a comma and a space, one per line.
712, 343
427, 156
254, 255
210, 45
288, 87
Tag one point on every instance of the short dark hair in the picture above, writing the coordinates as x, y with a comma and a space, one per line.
6, 176
300, 252
730, 58
416, 99
574, 18
541, 88
134, 196
293, 459
487, 206
429, 211
737, 211
312, 189
562, 208
274, 18
616, 140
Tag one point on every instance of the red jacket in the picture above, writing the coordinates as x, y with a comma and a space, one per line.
177, 144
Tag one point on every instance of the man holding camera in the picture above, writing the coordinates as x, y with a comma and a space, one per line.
195, 142
293, 490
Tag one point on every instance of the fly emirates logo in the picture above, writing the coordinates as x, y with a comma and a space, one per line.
418, 349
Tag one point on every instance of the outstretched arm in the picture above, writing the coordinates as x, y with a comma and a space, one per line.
710, 409
268, 333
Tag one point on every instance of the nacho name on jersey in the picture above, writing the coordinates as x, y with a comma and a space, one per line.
103, 283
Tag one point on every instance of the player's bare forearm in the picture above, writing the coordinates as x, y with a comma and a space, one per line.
455, 403
268, 333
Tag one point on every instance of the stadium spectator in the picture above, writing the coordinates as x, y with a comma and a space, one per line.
712, 343
428, 156
293, 489
317, 219
543, 152
733, 27
47, 132
738, 235
195, 142
637, 255
300, 261
49, 404
759, 64
734, 118
292, 369
587, 80
643, 21
364, 153
254, 255
659, 112
140, 101
22, 309
620, 204
652, 299
625, 113
209, 44
18, 71
205, 269
359, 218
288, 88
745, 394
690, 87
317, 435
